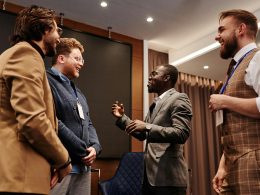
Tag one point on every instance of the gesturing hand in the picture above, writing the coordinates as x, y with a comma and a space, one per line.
135, 125
118, 109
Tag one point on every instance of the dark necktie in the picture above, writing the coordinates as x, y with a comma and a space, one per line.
152, 106
230, 67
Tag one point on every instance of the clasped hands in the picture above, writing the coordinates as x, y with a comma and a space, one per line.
58, 175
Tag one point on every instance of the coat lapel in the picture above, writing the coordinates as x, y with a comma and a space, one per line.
159, 104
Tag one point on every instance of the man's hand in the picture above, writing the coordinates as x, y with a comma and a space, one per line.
220, 176
217, 102
218, 180
54, 178
118, 109
89, 159
64, 172
135, 125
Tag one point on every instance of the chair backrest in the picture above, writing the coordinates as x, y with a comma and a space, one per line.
128, 177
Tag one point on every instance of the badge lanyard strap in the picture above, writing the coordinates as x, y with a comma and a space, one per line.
74, 90
80, 109
234, 69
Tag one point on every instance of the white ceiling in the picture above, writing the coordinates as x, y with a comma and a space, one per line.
179, 27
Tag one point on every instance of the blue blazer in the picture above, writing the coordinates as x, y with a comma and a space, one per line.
75, 133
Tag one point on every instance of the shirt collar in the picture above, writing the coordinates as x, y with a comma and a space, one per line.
244, 50
35, 46
163, 94
58, 73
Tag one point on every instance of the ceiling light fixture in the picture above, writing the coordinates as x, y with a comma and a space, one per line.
149, 19
205, 67
196, 54
199, 52
103, 4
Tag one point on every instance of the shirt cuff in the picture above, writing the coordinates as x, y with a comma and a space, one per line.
258, 103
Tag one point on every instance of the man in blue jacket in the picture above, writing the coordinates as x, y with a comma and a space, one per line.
76, 130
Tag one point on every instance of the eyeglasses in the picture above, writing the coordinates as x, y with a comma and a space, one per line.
77, 59
59, 30
153, 74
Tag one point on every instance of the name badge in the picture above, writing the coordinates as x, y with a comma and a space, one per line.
219, 117
80, 110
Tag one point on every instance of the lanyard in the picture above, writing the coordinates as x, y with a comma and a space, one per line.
74, 89
234, 69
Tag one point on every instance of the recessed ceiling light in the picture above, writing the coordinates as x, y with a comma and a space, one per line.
103, 4
206, 67
149, 19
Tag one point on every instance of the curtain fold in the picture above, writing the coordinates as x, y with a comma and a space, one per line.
202, 150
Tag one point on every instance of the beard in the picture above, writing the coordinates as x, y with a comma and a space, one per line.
150, 90
230, 48
50, 46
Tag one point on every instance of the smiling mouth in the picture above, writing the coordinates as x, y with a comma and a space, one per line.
221, 43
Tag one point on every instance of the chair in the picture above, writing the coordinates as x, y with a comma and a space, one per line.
128, 177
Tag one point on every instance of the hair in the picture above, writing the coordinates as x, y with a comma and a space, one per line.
32, 23
243, 16
172, 71
65, 46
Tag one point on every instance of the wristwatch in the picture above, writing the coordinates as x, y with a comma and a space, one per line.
65, 164
148, 126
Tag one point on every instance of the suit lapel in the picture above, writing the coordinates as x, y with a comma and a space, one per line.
159, 104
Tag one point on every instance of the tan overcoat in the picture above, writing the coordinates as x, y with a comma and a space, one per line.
29, 145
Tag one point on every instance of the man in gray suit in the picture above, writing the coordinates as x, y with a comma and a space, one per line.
166, 128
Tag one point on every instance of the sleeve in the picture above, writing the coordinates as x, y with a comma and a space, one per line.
93, 138
252, 76
74, 145
24, 76
180, 116
124, 121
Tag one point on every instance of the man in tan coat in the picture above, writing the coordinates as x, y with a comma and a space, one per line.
29, 145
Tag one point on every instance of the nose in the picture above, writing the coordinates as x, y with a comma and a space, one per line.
81, 63
58, 40
217, 37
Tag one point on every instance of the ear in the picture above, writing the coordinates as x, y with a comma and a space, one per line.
167, 78
61, 59
241, 29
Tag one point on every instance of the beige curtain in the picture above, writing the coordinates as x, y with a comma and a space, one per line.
202, 150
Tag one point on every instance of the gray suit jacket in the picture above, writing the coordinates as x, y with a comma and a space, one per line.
171, 125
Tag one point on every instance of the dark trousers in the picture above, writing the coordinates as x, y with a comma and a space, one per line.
147, 189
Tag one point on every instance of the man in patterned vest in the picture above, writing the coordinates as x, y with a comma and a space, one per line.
238, 106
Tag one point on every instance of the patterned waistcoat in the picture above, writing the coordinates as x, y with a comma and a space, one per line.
241, 134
